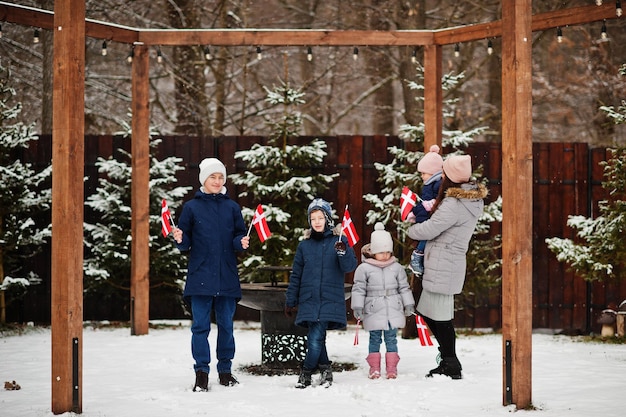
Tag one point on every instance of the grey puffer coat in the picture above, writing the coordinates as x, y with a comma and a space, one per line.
448, 232
382, 290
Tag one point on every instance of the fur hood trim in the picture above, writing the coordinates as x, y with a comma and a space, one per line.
469, 191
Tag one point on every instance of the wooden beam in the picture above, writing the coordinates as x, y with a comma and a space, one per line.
517, 202
307, 37
140, 193
68, 135
433, 96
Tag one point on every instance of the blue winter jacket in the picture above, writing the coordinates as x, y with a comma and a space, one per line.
316, 284
430, 190
212, 227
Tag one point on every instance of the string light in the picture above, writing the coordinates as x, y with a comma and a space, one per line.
104, 48
490, 47
259, 53
457, 50
603, 34
309, 54
355, 53
414, 56
130, 56
559, 35
598, 2
36, 36
207, 53
618, 8
159, 55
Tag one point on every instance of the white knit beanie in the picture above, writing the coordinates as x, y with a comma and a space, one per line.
210, 166
458, 168
381, 240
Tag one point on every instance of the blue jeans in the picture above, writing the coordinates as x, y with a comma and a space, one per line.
391, 340
316, 353
224, 308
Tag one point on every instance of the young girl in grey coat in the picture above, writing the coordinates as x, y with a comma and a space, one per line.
448, 232
381, 297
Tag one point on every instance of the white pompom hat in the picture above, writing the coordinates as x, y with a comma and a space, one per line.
381, 240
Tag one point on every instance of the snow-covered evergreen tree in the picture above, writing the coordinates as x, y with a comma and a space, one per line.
24, 202
483, 260
281, 177
108, 241
600, 251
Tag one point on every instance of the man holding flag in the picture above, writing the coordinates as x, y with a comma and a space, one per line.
212, 230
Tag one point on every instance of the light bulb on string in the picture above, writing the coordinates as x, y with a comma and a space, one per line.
414, 55
603, 33
207, 53
559, 35
103, 51
36, 36
598, 2
618, 8
309, 54
259, 53
355, 53
457, 50
131, 55
159, 55
490, 47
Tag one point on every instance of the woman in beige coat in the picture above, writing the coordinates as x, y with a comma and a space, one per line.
448, 232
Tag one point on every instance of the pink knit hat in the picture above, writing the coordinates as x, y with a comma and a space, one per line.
458, 168
431, 162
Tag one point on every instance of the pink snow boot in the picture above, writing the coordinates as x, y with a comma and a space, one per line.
391, 363
373, 359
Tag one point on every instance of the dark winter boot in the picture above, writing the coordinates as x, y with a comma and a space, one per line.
373, 360
202, 382
449, 366
326, 375
228, 380
304, 380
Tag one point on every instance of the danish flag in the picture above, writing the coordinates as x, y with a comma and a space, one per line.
407, 202
347, 227
166, 219
260, 224
422, 331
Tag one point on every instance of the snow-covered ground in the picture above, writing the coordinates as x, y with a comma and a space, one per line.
152, 375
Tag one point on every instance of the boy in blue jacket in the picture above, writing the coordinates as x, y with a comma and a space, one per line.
212, 230
316, 288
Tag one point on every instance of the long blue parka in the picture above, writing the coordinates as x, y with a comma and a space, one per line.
316, 284
212, 227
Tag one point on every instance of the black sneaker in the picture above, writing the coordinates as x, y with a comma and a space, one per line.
228, 380
202, 382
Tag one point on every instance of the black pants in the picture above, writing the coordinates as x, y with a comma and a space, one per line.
445, 335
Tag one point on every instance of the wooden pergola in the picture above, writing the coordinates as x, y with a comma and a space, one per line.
71, 28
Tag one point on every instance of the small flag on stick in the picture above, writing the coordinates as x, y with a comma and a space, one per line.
422, 331
167, 223
260, 224
407, 202
347, 227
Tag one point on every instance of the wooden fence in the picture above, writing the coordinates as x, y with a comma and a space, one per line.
567, 180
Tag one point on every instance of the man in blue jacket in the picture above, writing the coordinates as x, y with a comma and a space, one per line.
212, 230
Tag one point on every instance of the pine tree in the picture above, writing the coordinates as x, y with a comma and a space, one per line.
108, 241
278, 176
24, 202
600, 251
483, 262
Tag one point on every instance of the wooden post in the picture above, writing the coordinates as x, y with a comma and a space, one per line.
517, 177
433, 96
68, 132
140, 193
